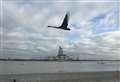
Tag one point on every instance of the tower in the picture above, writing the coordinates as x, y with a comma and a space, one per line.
61, 55
60, 51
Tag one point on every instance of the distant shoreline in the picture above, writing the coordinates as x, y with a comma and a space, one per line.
51, 60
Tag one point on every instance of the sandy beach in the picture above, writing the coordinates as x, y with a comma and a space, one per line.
105, 76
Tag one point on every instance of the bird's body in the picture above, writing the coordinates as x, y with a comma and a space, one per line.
64, 24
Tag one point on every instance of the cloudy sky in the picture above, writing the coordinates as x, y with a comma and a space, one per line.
95, 30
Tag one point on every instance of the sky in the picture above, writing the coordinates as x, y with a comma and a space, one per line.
95, 28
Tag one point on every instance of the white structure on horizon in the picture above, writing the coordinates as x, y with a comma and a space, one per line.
60, 55
60, 51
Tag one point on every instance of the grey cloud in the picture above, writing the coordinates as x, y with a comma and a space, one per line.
26, 33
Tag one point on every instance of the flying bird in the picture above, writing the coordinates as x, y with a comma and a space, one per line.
64, 25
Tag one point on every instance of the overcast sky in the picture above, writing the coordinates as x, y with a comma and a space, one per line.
95, 30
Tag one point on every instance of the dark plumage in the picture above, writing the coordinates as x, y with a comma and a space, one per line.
64, 24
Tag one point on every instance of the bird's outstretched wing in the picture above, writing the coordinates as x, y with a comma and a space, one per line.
65, 21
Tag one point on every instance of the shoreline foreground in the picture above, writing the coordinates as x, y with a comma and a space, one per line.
103, 76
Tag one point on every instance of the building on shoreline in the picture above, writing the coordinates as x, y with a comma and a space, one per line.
60, 56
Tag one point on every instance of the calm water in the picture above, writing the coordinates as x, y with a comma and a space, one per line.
19, 67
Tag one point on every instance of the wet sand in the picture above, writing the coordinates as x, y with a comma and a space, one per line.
104, 76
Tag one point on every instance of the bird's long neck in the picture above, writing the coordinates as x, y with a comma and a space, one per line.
53, 26
50, 26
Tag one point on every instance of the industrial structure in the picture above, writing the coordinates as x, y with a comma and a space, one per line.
60, 56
